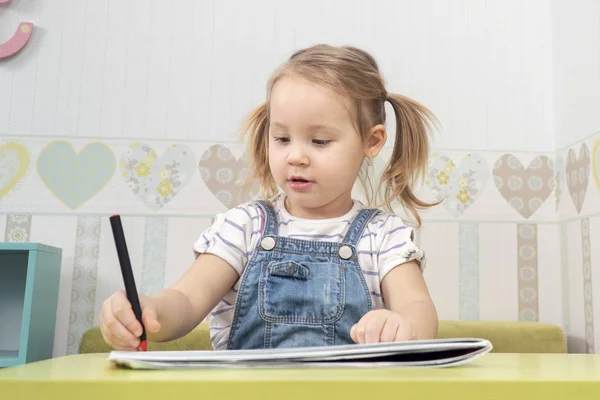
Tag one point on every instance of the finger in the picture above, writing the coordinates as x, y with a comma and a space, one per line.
359, 332
389, 331
104, 329
120, 347
150, 320
122, 311
373, 329
405, 332
122, 323
353, 333
116, 346
116, 335
113, 333
104, 333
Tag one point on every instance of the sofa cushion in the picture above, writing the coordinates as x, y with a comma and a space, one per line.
506, 337
509, 336
198, 339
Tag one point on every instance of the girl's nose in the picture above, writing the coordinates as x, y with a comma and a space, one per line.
297, 155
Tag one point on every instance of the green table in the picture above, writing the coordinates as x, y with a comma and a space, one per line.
493, 376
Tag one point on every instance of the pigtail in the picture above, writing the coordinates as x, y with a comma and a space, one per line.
409, 160
256, 130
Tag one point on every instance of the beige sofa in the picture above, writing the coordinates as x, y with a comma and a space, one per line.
506, 337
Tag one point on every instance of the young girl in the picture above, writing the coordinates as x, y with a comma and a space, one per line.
308, 265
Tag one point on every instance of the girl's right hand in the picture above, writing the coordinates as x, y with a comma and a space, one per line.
119, 327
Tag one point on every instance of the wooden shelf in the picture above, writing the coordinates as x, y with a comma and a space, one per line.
29, 281
9, 358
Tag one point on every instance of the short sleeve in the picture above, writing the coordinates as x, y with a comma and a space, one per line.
396, 245
232, 236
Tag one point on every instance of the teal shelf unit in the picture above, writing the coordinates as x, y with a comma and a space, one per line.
29, 282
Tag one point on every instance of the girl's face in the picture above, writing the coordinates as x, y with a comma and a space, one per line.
315, 152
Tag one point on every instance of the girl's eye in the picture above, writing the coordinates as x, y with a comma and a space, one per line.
282, 139
321, 142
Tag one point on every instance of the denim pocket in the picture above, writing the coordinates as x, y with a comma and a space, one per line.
289, 270
301, 292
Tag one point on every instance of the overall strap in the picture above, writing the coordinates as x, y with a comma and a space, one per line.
270, 227
358, 225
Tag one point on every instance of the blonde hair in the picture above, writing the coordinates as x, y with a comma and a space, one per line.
353, 73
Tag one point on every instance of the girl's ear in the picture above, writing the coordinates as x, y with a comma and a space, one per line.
375, 141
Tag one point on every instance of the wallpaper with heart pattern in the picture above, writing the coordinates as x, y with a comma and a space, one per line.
596, 163
224, 176
458, 186
577, 175
525, 189
156, 180
14, 162
75, 177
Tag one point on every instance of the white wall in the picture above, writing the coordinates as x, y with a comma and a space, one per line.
576, 77
500, 75
576, 63
190, 70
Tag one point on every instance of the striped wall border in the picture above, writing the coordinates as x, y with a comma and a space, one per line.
18, 228
564, 275
468, 254
587, 285
155, 255
527, 264
85, 269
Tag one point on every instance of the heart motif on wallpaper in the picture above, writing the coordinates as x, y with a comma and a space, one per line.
460, 186
596, 163
156, 180
525, 189
73, 177
224, 175
577, 173
14, 161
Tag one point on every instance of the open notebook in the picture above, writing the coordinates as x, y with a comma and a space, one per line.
439, 352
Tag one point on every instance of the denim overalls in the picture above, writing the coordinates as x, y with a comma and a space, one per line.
297, 293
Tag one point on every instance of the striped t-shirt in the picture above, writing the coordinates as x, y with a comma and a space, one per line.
385, 243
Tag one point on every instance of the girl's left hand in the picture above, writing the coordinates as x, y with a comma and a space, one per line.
382, 326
